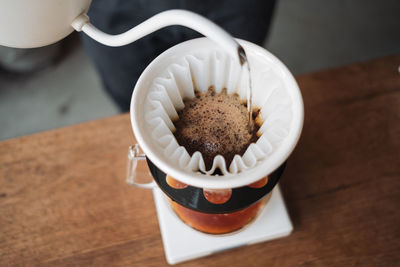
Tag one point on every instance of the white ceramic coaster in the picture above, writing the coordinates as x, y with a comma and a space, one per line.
182, 243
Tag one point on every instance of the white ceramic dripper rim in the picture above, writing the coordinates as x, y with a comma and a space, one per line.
246, 177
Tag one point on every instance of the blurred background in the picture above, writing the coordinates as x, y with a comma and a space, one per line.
38, 94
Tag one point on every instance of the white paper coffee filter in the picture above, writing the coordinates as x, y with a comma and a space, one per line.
200, 70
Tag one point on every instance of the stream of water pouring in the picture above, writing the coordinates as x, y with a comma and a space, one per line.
249, 92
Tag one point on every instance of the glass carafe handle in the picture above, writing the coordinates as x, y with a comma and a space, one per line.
138, 173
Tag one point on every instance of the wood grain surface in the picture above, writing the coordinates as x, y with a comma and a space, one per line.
64, 201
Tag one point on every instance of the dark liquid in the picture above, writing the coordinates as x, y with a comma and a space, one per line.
219, 223
215, 124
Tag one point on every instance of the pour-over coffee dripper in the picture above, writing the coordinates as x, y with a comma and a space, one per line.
194, 193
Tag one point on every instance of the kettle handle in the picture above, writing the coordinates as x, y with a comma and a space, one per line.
138, 173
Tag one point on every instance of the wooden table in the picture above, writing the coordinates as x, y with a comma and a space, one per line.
64, 201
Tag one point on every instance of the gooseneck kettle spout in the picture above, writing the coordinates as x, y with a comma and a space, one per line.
161, 20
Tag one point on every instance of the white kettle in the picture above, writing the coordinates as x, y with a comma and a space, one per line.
35, 23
